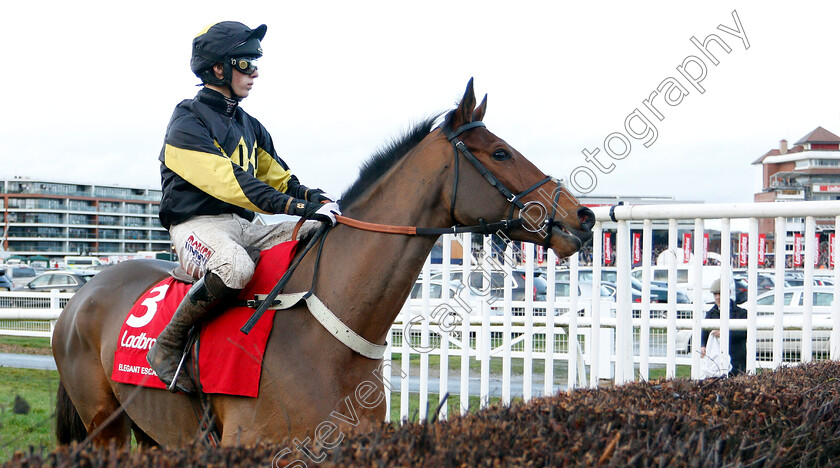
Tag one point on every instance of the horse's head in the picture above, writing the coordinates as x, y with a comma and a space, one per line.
495, 182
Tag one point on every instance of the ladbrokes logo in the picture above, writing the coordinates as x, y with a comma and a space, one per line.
137, 341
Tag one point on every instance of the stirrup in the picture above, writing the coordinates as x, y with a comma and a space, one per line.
173, 386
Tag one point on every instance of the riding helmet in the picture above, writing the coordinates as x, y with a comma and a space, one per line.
218, 43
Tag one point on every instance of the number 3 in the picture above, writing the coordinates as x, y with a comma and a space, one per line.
151, 304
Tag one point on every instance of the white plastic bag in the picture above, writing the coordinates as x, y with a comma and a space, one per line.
714, 363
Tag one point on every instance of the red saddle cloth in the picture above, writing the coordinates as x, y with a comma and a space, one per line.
229, 361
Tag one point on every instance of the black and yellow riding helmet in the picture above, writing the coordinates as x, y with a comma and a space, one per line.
224, 43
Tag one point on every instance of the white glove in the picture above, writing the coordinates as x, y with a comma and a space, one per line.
328, 211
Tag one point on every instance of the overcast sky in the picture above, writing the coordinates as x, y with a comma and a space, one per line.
89, 86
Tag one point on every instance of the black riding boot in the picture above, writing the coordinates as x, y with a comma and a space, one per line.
166, 353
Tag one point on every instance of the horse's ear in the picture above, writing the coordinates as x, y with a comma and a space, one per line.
463, 114
478, 113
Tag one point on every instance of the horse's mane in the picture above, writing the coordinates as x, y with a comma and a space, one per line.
386, 157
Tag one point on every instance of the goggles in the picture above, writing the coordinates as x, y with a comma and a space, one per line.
244, 64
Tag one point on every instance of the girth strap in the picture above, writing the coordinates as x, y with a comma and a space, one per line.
328, 320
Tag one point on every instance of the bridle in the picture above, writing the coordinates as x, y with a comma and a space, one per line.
460, 148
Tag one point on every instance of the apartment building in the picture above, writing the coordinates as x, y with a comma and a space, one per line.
807, 170
46, 218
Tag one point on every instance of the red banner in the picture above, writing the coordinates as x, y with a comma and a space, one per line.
743, 253
540, 254
686, 247
831, 250
762, 246
816, 250
705, 248
637, 247
797, 250
607, 248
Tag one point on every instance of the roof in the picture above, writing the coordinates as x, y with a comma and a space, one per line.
819, 135
799, 156
776, 152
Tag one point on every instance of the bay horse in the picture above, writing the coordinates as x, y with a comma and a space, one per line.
363, 277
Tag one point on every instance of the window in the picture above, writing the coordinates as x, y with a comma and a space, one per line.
662, 275
62, 280
21, 272
41, 281
770, 299
562, 289
820, 299
434, 291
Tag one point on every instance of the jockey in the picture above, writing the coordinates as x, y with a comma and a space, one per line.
218, 167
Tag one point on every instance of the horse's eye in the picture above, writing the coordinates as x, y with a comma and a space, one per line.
501, 155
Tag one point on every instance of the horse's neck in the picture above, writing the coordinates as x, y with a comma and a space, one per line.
368, 276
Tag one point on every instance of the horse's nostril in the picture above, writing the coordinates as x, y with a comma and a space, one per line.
586, 218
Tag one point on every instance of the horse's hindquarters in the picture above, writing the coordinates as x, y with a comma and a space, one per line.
84, 342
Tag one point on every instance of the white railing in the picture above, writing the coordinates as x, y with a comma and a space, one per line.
623, 348
725, 213
30, 313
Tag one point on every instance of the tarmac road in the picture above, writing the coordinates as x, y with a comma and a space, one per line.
27, 361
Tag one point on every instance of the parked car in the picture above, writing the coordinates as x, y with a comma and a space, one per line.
436, 289
658, 291
563, 289
63, 281
5, 282
765, 282
497, 285
635, 294
19, 274
793, 300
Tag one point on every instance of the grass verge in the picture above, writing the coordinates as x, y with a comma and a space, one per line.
35, 429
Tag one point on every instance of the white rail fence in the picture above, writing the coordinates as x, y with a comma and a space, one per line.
31, 313
474, 342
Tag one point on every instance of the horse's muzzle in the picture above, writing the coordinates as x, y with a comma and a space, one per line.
586, 218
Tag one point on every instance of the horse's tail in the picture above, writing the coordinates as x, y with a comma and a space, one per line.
68, 424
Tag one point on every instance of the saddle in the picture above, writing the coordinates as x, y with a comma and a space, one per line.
222, 358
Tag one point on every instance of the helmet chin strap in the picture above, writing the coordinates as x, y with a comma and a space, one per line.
233, 95
226, 81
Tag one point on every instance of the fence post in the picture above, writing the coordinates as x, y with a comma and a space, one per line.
805, 353
778, 298
550, 294
725, 282
466, 267
423, 395
698, 313
486, 343
446, 264
671, 260
835, 306
752, 269
597, 348
644, 331
528, 374
624, 324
